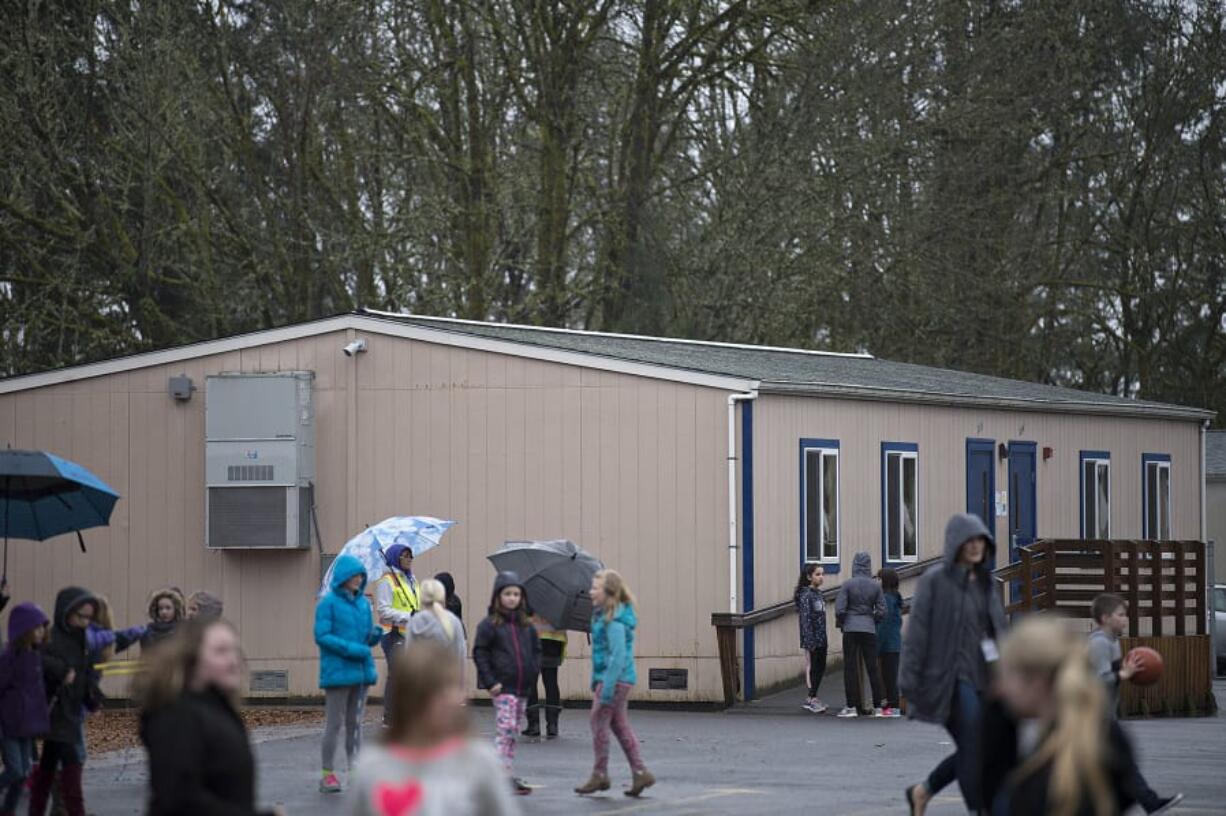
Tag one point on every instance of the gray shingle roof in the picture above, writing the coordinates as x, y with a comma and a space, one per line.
1215, 454
800, 371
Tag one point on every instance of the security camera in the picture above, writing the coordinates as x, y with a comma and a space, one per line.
356, 347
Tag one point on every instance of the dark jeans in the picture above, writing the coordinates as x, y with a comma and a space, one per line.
551, 652
889, 673
816, 669
859, 646
391, 643
1146, 796
963, 764
18, 754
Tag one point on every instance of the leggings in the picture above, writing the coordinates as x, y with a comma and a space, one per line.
343, 706
815, 667
508, 711
889, 674
613, 717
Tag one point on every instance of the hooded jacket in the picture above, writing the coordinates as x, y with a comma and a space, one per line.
396, 594
158, 630
67, 651
613, 650
507, 650
453, 603
208, 605
860, 603
427, 626
930, 647
23, 699
344, 630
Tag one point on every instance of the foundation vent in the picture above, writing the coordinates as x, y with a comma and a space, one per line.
266, 681
668, 679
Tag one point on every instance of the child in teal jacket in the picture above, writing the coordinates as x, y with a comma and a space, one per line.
613, 676
344, 632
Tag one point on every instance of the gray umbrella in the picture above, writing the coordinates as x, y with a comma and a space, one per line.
556, 576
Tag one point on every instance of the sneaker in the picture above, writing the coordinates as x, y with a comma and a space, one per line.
520, 787
810, 706
890, 712
330, 783
848, 711
819, 707
1167, 804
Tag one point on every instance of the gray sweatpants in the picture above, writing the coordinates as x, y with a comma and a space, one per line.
343, 707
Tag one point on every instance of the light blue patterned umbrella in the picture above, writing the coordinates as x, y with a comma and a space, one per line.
419, 533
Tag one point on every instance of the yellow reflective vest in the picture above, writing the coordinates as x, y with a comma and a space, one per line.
404, 596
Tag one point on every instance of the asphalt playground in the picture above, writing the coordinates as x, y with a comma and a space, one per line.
767, 757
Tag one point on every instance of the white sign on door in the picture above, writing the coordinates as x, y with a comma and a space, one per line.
1002, 504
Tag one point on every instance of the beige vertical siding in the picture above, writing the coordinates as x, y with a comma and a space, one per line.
1215, 521
941, 433
629, 467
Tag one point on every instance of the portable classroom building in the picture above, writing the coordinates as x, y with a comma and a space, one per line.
707, 473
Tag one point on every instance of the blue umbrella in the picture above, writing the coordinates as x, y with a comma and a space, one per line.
42, 496
418, 533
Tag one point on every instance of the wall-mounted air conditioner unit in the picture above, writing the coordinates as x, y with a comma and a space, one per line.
259, 460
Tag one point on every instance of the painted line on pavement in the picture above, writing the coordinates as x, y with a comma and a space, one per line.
654, 804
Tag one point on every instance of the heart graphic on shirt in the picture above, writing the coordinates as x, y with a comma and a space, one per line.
403, 800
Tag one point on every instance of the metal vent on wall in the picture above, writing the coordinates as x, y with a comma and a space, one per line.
247, 516
276, 680
249, 473
668, 679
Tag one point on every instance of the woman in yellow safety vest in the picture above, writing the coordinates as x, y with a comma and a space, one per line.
396, 601
553, 652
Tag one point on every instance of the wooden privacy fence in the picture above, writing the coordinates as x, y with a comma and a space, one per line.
1165, 586
1164, 582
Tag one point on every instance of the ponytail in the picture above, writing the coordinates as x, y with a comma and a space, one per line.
433, 595
1074, 747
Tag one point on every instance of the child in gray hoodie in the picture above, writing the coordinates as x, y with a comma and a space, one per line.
859, 607
426, 765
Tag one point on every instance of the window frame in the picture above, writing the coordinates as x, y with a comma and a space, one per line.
1163, 462
903, 451
821, 448
1098, 458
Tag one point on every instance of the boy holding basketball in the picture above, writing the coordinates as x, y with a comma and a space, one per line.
1110, 614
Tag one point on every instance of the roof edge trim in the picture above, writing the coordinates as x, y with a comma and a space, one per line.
584, 333
374, 325
863, 392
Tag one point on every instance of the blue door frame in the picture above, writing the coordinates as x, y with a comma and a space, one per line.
1023, 503
981, 480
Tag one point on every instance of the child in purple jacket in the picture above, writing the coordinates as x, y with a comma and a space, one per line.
23, 702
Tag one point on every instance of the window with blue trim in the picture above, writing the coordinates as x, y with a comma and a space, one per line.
819, 500
1095, 494
1156, 496
900, 501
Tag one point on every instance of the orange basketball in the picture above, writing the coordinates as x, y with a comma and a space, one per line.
1150, 665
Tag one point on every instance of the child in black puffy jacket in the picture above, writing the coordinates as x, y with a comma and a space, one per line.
507, 652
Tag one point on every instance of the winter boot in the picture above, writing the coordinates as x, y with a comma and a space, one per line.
598, 782
642, 781
551, 723
534, 724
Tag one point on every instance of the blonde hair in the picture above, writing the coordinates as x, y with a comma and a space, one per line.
424, 670
616, 592
169, 668
1074, 748
433, 596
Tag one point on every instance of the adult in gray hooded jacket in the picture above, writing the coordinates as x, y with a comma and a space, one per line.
859, 607
956, 617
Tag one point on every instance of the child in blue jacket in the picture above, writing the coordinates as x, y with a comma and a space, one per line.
344, 632
613, 676
889, 640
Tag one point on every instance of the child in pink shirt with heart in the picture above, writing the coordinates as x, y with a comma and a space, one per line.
426, 765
